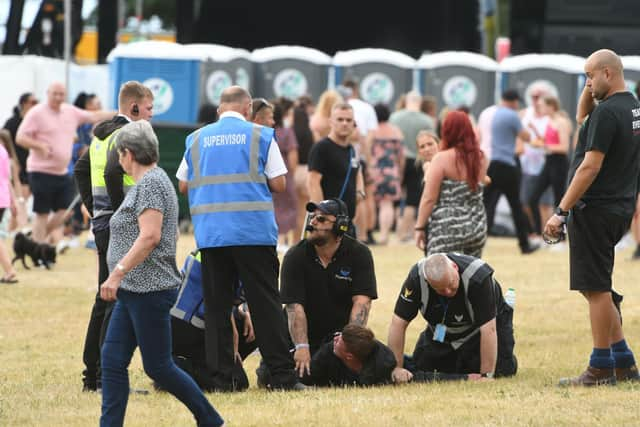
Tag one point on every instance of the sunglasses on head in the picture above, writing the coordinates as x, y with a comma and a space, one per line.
321, 219
262, 103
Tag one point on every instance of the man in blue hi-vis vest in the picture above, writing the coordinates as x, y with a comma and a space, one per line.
232, 168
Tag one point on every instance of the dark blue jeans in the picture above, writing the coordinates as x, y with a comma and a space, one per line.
143, 320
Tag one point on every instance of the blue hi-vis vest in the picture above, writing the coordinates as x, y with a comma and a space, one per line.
229, 199
189, 305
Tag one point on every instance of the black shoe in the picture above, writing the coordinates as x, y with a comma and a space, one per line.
636, 253
529, 249
89, 388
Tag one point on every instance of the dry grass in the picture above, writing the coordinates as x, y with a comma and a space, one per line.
44, 319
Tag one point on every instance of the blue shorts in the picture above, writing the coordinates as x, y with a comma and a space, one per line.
51, 193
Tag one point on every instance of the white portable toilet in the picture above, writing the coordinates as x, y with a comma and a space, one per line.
221, 67
290, 71
562, 74
383, 75
170, 71
631, 65
459, 79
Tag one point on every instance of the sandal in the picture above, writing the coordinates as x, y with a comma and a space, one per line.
9, 280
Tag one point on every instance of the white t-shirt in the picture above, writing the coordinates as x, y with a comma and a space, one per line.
533, 158
364, 115
273, 168
485, 121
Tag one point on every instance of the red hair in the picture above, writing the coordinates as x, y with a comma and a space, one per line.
457, 133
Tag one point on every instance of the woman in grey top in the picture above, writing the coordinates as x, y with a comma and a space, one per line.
144, 280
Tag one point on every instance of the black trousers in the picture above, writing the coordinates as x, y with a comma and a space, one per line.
188, 351
430, 355
99, 319
505, 179
257, 267
554, 174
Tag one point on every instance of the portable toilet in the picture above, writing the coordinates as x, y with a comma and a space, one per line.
221, 67
383, 75
171, 72
290, 71
562, 74
458, 79
631, 65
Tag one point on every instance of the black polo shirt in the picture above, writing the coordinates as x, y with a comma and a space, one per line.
482, 300
326, 294
613, 128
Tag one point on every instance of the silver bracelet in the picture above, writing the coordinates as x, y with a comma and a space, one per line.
302, 345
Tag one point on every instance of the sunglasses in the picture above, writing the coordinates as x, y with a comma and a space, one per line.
262, 103
321, 219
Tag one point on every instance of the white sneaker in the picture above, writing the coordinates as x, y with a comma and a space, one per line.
558, 247
62, 246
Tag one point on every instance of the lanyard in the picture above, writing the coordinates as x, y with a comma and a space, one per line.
445, 303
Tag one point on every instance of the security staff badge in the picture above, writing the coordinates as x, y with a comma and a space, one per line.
440, 332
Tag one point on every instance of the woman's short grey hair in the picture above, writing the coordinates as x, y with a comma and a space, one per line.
140, 139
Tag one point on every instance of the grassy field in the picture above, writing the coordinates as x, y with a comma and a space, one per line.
44, 319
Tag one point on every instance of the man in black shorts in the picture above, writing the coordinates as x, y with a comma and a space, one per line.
328, 280
599, 204
470, 326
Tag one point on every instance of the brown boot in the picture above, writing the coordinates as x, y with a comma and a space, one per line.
628, 374
590, 377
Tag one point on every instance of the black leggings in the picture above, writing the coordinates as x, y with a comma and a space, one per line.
554, 174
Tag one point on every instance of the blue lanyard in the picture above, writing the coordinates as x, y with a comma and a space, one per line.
445, 303
346, 180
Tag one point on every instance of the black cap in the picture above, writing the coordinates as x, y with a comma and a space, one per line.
333, 207
510, 95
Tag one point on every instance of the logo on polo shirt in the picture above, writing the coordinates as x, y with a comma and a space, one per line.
344, 273
405, 294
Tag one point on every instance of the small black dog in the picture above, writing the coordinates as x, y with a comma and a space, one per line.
40, 253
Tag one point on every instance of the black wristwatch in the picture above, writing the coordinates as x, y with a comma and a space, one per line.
560, 212
487, 375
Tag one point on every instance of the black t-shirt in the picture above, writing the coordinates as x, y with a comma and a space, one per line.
326, 294
22, 153
328, 370
613, 128
333, 161
481, 297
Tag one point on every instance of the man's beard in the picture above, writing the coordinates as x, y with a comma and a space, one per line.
320, 239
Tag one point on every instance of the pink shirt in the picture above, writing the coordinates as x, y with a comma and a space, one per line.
57, 129
5, 178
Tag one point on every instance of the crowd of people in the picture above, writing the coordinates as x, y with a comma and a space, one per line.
317, 183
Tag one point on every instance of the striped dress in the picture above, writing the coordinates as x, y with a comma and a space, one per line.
458, 222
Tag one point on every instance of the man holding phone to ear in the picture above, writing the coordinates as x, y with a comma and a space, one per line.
102, 184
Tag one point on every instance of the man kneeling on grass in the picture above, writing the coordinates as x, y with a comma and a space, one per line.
470, 326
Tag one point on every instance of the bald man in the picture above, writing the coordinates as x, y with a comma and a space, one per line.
48, 131
597, 208
232, 167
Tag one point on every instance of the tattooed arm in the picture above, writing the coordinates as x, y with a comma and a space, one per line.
297, 320
360, 310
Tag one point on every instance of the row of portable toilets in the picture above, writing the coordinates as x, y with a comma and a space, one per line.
183, 77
